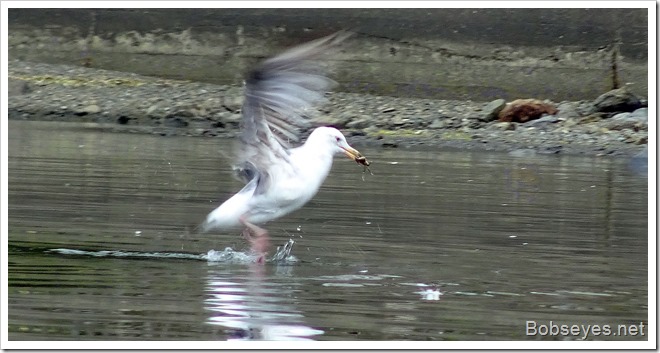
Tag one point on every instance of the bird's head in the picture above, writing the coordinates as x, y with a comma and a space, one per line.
335, 139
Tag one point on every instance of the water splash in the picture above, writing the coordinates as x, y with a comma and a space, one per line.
283, 253
229, 256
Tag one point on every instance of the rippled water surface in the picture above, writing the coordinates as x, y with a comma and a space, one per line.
434, 246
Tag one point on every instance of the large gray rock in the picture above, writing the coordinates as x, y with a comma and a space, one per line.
616, 100
493, 109
637, 120
543, 122
640, 114
568, 110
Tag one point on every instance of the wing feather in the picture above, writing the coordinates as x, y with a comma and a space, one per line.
280, 96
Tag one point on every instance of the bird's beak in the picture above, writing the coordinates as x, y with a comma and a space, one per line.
354, 154
351, 152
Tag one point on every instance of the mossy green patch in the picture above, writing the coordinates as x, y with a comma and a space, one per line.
456, 135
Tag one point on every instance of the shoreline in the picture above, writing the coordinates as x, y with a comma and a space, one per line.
127, 102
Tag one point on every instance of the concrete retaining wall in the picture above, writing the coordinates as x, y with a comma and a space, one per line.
477, 54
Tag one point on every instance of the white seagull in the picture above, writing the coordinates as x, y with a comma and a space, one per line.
279, 98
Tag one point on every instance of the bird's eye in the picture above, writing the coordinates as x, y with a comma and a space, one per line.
337, 138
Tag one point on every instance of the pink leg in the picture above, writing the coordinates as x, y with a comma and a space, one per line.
257, 237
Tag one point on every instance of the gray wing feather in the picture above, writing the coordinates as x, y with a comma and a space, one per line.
280, 95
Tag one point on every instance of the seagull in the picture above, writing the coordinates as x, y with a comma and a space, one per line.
280, 95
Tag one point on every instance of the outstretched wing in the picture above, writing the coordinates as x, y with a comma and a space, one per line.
280, 95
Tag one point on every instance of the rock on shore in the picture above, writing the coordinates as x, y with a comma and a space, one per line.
615, 123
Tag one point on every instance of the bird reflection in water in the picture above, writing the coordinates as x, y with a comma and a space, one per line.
255, 306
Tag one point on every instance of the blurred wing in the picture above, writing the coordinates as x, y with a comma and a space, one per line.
279, 98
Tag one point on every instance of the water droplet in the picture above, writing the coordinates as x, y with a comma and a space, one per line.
430, 294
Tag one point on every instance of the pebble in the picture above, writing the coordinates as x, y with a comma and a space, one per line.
89, 109
504, 126
359, 123
439, 123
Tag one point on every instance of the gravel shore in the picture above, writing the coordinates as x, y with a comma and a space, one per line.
614, 124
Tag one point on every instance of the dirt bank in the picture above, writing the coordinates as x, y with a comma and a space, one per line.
614, 124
